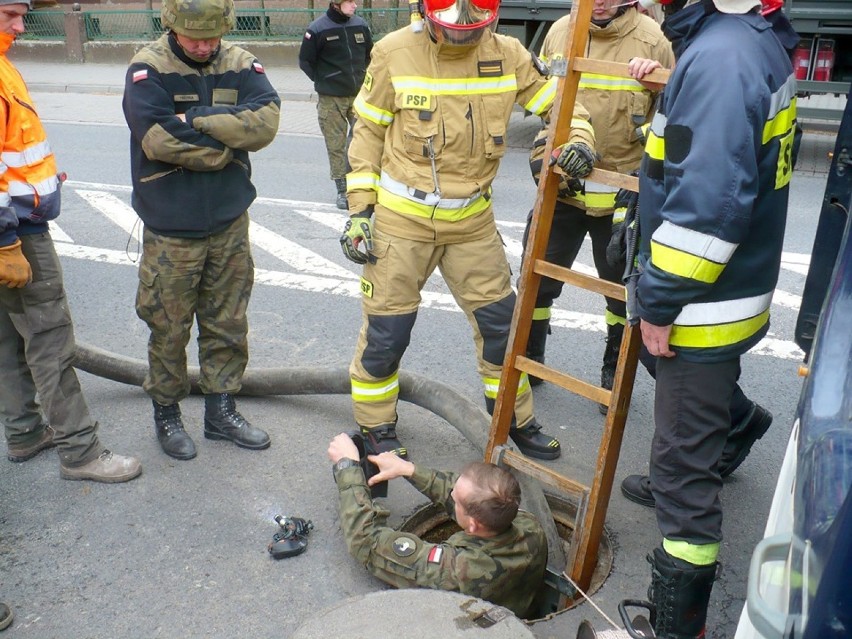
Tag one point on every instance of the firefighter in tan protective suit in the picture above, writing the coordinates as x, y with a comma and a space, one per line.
619, 108
431, 130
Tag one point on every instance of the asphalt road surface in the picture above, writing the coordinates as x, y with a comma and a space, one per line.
181, 552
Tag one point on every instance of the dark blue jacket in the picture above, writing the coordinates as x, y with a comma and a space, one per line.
714, 184
193, 178
335, 53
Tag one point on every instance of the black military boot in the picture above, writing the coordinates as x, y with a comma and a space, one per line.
681, 593
174, 440
742, 437
342, 203
383, 439
222, 421
614, 333
539, 330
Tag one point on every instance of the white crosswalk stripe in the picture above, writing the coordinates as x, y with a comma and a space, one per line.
309, 271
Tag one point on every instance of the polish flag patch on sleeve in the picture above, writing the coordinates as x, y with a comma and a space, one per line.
307, 35
258, 67
140, 75
435, 555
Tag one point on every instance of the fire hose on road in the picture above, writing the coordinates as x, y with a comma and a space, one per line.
461, 413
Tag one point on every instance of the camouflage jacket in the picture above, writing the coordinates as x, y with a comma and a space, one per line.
506, 569
193, 178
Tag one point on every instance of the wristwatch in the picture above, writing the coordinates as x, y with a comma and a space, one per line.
343, 463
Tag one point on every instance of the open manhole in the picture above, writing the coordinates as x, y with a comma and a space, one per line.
431, 523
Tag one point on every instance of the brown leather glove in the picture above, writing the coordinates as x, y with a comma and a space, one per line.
15, 271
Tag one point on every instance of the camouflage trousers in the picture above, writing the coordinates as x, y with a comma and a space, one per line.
336, 118
207, 279
36, 351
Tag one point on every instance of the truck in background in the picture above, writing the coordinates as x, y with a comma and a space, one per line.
822, 62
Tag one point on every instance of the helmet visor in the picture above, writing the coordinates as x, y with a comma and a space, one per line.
462, 14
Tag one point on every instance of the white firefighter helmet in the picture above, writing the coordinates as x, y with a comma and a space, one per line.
724, 6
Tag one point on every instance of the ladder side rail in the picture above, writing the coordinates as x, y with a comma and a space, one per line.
542, 218
583, 554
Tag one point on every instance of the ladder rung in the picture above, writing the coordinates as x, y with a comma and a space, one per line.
507, 457
613, 179
573, 384
605, 67
588, 282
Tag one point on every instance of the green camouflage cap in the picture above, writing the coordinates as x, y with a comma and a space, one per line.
199, 19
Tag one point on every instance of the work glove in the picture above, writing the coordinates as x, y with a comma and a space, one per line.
625, 209
15, 271
359, 228
577, 159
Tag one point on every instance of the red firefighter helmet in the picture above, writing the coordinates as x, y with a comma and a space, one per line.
461, 22
770, 6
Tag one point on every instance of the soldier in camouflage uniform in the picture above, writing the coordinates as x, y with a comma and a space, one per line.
196, 106
499, 555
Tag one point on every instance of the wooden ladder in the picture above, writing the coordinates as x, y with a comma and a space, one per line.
591, 500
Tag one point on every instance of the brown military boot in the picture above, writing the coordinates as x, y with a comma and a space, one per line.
108, 468
19, 453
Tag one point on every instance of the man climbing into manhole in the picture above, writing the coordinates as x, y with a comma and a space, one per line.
499, 554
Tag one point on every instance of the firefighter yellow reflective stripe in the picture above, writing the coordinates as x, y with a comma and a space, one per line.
688, 253
598, 196
724, 312
492, 385
375, 391
455, 86
608, 83
782, 110
542, 313
402, 204
395, 187
32, 155
696, 554
684, 264
618, 216
655, 146
372, 113
543, 98
363, 181
714, 335
579, 123
612, 319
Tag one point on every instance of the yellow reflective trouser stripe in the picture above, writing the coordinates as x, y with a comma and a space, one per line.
365, 181
541, 313
375, 391
696, 554
618, 216
718, 334
400, 204
683, 264
612, 319
492, 384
